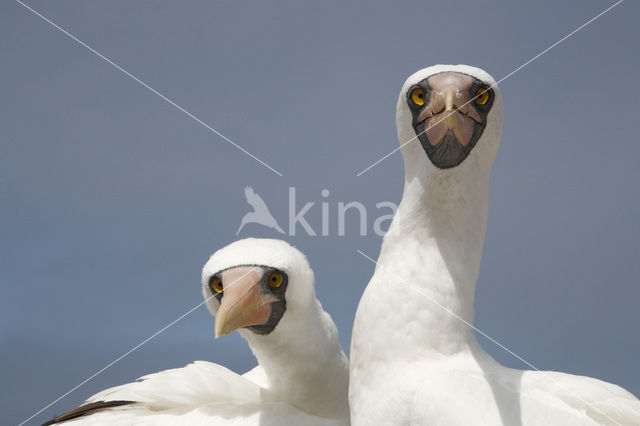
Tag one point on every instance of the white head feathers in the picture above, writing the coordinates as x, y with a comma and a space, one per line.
417, 164
263, 252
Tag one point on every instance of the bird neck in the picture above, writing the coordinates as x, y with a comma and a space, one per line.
304, 362
433, 249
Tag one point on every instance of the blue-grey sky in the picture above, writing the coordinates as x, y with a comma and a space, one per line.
112, 199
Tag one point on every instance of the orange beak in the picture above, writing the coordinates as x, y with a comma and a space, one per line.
243, 302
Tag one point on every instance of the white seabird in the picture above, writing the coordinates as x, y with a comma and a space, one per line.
265, 289
414, 357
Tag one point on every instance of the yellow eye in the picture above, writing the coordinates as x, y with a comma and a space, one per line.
417, 96
275, 280
482, 95
216, 284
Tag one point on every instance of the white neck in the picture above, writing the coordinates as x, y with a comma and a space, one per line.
304, 362
430, 258
443, 218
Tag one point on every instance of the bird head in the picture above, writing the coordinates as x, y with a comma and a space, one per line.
449, 117
255, 284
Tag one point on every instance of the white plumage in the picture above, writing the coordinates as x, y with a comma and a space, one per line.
301, 379
413, 358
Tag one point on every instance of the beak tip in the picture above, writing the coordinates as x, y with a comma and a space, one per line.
218, 330
221, 331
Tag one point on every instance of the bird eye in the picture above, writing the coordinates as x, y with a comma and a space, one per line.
275, 280
216, 284
482, 95
417, 96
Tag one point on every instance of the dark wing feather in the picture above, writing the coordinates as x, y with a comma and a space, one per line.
85, 410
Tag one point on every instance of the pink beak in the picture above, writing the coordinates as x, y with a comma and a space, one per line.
450, 109
243, 301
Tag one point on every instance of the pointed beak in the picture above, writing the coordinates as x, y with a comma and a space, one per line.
450, 94
243, 301
449, 109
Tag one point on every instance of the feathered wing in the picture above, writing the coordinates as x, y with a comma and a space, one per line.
182, 390
257, 375
266, 414
504, 396
200, 393
196, 384
601, 402
87, 410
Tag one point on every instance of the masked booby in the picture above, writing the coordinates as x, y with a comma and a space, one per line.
414, 358
264, 289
